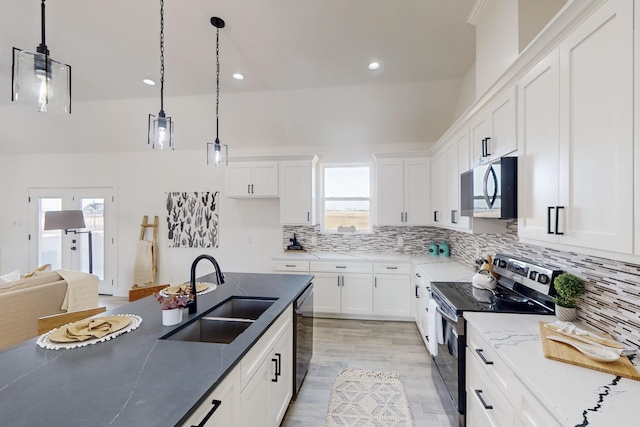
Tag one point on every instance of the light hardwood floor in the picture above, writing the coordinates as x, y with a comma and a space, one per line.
377, 345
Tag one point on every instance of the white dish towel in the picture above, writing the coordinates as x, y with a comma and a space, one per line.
436, 335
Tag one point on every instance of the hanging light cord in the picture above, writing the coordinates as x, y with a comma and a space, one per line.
161, 57
217, 80
43, 45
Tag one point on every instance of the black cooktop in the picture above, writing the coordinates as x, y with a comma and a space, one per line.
458, 297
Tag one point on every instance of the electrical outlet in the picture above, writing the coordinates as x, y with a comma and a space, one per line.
400, 241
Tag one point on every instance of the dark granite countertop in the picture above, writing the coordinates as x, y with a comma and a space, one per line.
136, 379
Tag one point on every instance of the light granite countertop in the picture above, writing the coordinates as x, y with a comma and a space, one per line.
576, 396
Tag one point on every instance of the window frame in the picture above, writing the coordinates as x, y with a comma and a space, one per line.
322, 199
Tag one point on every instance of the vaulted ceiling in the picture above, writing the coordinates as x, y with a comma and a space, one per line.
291, 50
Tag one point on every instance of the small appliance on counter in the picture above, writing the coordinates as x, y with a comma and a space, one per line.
433, 249
295, 245
443, 249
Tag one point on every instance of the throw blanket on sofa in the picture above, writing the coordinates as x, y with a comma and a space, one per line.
82, 290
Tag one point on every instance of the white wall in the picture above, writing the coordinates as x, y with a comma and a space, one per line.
467, 94
496, 42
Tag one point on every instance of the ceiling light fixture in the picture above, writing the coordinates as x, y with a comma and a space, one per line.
38, 79
374, 65
148, 82
238, 76
160, 133
217, 153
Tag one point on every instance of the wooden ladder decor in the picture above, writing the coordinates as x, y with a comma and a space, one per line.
140, 291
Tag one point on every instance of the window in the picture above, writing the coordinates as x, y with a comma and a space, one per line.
346, 197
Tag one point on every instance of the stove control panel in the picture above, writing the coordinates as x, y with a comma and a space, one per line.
536, 276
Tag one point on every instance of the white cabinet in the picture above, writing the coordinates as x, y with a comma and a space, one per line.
252, 179
220, 407
493, 131
456, 162
402, 190
342, 288
577, 186
266, 376
422, 295
391, 290
438, 188
298, 192
495, 396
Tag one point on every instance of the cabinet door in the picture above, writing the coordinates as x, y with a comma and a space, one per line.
392, 295
239, 180
416, 191
326, 292
539, 133
596, 130
390, 192
452, 193
479, 129
219, 408
438, 189
502, 115
486, 406
462, 141
254, 398
264, 179
296, 195
357, 293
281, 376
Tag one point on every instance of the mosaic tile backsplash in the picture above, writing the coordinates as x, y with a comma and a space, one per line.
612, 300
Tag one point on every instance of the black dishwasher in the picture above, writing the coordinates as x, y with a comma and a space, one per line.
303, 337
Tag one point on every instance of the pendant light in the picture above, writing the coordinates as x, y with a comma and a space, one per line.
217, 153
161, 127
38, 79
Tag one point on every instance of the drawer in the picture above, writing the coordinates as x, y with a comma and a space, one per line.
341, 267
484, 400
391, 268
493, 366
532, 413
297, 266
253, 359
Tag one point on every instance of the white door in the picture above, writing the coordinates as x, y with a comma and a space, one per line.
438, 184
326, 292
392, 295
357, 293
71, 250
416, 191
390, 192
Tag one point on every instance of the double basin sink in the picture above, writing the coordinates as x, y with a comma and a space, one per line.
223, 323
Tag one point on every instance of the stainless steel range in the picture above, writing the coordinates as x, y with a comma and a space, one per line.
523, 287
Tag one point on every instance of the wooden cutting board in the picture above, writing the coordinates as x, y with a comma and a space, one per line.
567, 354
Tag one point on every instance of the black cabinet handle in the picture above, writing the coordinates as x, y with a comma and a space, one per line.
216, 405
290, 265
392, 268
435, 216
251, 188
453, 216
248, 188
478, 393
484, 359
558, 216
405, 217
549, 209
375, 282
417, 288
279, 367
275, 377
482, 145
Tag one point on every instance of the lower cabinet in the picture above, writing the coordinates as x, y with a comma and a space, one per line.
392, 290
220, 407
258, 390
495, 396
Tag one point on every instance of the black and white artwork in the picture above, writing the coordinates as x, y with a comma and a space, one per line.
192, 219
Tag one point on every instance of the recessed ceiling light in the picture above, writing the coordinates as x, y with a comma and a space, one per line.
148, 82
374, 65
238, 76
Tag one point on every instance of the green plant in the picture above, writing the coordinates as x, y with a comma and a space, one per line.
568, 288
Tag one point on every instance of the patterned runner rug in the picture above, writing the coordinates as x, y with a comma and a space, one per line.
368, 398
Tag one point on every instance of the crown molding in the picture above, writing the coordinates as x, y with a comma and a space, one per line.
476, 11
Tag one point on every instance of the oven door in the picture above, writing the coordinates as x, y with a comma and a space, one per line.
450, 359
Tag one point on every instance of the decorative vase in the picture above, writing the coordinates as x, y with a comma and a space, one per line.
565, 314
171, 317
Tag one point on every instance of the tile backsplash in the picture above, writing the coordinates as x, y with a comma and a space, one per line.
612, 300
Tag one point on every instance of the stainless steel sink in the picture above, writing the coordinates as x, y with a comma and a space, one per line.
223, 323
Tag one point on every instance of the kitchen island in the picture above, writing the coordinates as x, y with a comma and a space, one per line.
135, 379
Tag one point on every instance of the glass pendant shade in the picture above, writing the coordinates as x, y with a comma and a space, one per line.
160, 132
39, 80
217, 154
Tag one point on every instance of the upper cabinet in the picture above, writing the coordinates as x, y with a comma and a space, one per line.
298, 191
402, 190
493, 130
438, 188
576, 128
248, 179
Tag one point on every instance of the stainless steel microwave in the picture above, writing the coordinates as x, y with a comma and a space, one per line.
491, 190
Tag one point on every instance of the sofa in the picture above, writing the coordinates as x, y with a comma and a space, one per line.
26, 300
